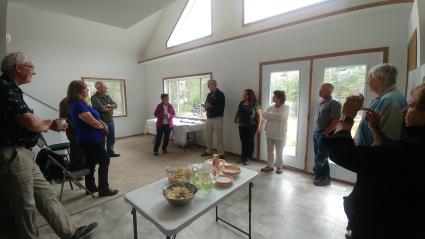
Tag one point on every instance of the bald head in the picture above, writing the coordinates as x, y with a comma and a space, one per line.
325, 91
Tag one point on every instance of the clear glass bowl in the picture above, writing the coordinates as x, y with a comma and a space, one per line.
179, 173
202, 177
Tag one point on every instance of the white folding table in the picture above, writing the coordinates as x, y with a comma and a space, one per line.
151, 204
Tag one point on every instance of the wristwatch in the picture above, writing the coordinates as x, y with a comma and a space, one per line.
347, 120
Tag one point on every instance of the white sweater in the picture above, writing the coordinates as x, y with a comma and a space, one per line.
276, 122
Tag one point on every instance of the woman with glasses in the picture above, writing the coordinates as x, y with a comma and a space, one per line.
390, 187
90, 133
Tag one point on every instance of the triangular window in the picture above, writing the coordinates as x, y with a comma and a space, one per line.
194, 23
255, 10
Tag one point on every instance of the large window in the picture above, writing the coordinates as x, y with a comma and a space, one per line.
194, 23
115, 89
347, 80
187, 93
255, 10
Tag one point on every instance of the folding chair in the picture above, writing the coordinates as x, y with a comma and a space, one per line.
67, 175
54, 147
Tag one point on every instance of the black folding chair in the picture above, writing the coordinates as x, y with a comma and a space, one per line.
41, 143
53, 170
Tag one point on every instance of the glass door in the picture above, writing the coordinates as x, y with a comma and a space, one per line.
293, 78
348, 74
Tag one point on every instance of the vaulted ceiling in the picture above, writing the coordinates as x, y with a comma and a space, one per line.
118, 13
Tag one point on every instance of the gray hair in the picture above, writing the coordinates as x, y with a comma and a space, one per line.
11, 60
387, 71
212, 82
329, 86
98, 84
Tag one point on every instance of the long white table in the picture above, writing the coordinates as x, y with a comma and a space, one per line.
151, 204
182, 127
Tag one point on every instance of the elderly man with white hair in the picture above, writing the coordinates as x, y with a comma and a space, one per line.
389, 104
23, 188
104, 104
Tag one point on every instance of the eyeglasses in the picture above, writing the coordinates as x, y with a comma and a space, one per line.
29, 66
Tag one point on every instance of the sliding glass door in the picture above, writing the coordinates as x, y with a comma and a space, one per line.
293, 79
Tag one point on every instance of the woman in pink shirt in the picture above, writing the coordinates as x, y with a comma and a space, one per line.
164, 114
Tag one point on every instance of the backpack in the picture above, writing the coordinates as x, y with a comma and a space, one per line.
47, 167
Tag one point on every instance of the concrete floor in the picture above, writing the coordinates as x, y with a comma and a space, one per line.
284, 206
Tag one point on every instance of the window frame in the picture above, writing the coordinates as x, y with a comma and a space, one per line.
186, 76
280, 14
121, 81
194, 40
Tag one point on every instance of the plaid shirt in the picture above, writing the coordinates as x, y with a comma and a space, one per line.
12, 106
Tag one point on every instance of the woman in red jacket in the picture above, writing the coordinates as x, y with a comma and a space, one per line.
164, 114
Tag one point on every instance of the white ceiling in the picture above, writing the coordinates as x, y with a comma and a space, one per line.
118, 13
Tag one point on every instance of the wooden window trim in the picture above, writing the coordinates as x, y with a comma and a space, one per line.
285, 25
186, 76
383, 50
413, 39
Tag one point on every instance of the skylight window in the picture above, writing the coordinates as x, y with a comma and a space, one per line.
194, 23
255, 10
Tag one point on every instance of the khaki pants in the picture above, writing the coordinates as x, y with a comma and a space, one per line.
214, 125
24, 188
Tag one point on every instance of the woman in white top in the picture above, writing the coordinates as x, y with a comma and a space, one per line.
276, 117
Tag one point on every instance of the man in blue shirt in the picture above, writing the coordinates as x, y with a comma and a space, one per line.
389, 104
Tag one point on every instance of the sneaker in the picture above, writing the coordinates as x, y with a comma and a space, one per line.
155, 153
85, 231
278, 170
108, 192
322, 182
267, 169
206, 154
114, 155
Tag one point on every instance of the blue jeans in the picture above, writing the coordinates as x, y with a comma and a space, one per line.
321, 163
110, 138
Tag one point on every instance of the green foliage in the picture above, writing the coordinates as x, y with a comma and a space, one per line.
347, 80
187, 94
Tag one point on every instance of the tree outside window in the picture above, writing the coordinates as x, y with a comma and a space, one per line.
187, 93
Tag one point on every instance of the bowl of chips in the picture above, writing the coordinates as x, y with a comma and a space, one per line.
179, 173
179, 194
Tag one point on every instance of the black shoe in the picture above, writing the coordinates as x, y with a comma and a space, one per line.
85, 231
108, 192
155, 153
206, 154
322, 182
92, 190
164, 151
245, 163
114, 155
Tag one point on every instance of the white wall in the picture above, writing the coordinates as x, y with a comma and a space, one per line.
58, 61
227, 22
235, 64
3, 14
